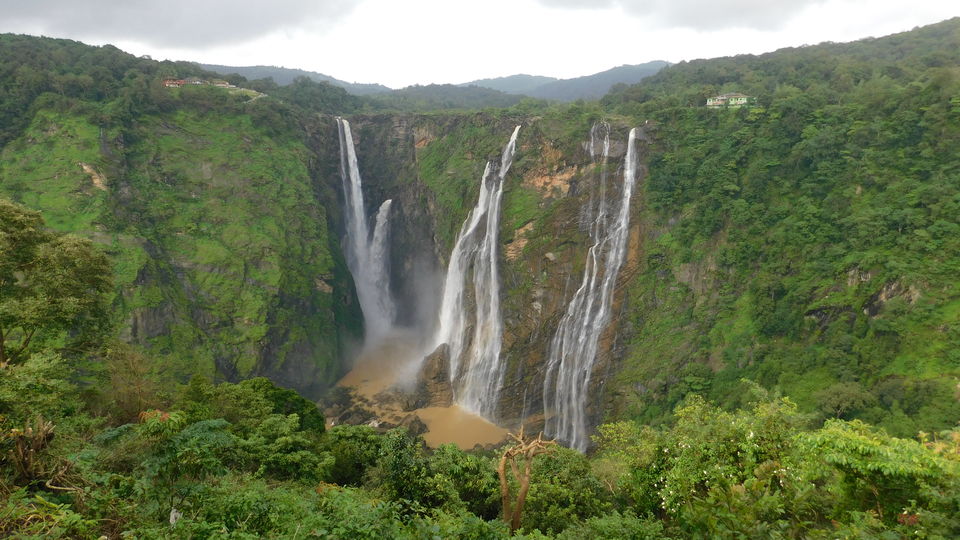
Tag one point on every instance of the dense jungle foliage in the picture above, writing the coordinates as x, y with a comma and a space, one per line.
806, 247
93, 443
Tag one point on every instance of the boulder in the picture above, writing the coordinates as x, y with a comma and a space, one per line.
414, 425
433, 388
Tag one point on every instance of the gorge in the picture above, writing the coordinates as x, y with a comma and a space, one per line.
467, 332
262, 238
267, 313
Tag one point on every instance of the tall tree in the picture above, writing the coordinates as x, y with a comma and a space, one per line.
51, 286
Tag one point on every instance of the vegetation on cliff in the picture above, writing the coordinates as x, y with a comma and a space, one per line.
808, 243
205, 201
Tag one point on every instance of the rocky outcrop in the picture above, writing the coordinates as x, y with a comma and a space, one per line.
96, 178
433, 388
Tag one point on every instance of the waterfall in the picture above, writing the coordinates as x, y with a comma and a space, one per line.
367, 257
573, 349
474, 335
380, 265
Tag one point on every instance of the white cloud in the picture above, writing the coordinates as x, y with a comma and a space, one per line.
699, 14
171, 23
450, 41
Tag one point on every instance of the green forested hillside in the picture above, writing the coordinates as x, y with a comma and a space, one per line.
590, 87
596, 85
512, 84
443, 96
808, 243
204, 199
210, 224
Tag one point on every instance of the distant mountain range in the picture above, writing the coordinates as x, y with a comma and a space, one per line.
284, 76
514, 84
588, 87
445, 96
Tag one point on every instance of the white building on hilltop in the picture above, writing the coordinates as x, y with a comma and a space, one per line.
734, 99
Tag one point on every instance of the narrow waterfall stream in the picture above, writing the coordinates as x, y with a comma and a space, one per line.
367, 257
573, 350
474, 331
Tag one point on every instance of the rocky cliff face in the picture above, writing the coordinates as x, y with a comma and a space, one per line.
226, 238
431, 166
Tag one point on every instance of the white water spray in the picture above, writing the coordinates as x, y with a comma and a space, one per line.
475, 335
367, 258
573, 349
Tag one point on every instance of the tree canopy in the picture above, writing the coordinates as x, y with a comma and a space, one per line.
52, 287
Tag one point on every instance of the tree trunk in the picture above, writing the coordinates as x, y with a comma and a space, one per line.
504, 488
522, 494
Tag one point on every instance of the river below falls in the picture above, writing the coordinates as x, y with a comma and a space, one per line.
392, 364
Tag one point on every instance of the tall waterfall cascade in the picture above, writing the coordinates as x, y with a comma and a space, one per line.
474, 330
367, 255
573, 349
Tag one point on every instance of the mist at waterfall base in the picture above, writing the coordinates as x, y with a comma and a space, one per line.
468, 318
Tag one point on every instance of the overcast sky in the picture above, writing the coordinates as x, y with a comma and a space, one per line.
404, 42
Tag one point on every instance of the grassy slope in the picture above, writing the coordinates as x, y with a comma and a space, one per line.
42, 170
